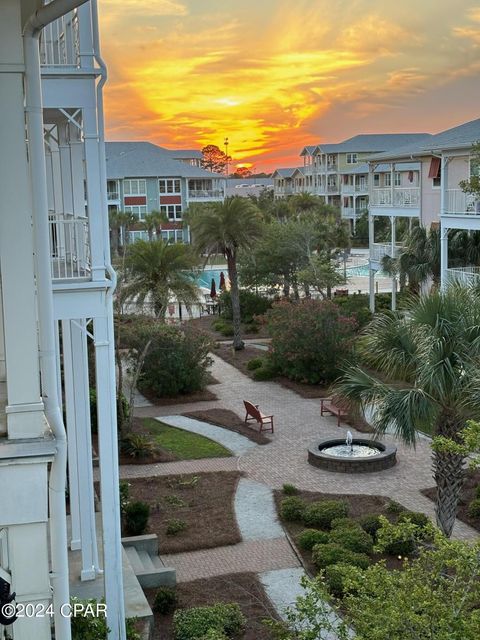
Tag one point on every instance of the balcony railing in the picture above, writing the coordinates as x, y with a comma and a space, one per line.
69, 247
380, 250
332, 188
332, 166
358, 188
350, 212
205, 193
464, 275
460, 203
113, 195
403, 198
60, 42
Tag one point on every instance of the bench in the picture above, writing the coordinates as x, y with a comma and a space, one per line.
328, 407
253, 413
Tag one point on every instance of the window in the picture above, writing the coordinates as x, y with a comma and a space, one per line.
169, 186
376, 179
134, 187
138, 211
172, 211
397, 176
352, 158
173, 235
387, 180
435, 172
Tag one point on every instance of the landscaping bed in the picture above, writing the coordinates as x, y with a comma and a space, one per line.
229, 420
357, 508
243, 588
201, 505
469, 493
198, 396
205, 324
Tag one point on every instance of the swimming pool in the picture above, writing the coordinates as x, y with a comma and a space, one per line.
361, 271
204, 278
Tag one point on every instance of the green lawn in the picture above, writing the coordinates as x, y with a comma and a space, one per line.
183, 444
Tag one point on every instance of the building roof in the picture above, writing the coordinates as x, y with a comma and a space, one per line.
308, 150
356, 168
462, 136
371, 142
250, 181
286, 172
147, 160
184, 154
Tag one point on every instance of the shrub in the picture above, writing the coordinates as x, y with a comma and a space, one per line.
165, 600
251, 305
321, 514
344, 522
136, 518
353, 538
266, 372
356, 305
197, 622
371, 524
138, 446
310, 537
477, 491
223, 327
177, 362
254, 363
418, 518
324, 555
292, 509
174, 526
124, 489
474, 508
289, 489
394, 507
214, 634
252, 327
335, 578
310, 339
400, 548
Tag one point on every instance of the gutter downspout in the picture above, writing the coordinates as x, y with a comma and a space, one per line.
38, 177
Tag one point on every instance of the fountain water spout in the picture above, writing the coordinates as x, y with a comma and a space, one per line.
349, 440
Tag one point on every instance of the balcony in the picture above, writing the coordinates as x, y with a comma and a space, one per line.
464, 275
399, 197
69, 247
459, 203
207, 194
60, 42
350, 212
332, 188
380, 250
332, 166
113, 195
358, 188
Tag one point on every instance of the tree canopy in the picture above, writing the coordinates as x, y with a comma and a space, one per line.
214, 159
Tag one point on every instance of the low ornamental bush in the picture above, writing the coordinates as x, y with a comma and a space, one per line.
165, 600
197, 622
292, 509
335, 578
177, 362
394, 507
254, 363
344, 522
324, 555
371, 524
266, 372
474, 508
477, 491
138, 446
356, 305
289, 489
353, 538
310, 537
251, 305
321, 514
223, 327
311, 339
175, 526
136, 518
418, 518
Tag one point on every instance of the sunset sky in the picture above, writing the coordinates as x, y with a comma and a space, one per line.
275, 75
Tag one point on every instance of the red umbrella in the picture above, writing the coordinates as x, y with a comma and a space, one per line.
222, 281
213, 289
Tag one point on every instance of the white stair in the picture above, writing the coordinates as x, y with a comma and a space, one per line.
142, 553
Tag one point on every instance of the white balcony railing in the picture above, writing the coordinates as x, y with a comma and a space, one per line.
460, 203
380, 250
358, 188
403, 198
464, 275
113, 195
332, 188
69, 247
60, 42
350, 212
209, 193
332, 166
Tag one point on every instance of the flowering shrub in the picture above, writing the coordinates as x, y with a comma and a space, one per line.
310, 339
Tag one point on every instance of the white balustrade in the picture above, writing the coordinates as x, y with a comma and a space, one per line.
403, 198
60, 42
69, 247
208, 193
381, 197
379, 250
464, 275
461, 203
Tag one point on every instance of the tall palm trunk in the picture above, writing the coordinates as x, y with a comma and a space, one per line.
449, 474
238, 343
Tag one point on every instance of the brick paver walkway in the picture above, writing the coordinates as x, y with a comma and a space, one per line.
298, 424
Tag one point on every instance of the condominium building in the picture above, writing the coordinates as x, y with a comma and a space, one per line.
143, 177
421, 181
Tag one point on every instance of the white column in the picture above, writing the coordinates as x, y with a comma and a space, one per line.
77, 406
393, 246
371, 273
3, 371
24, 409
109, 478
65, 168
443, 255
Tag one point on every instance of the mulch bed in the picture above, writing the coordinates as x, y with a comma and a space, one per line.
358, 506
243, 588
199, 396
229, 420
472, 481
204, 501
205, 324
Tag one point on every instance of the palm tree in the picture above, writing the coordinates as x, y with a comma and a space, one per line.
227, 227
156, 271
120, 222
428, 360
152, 222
